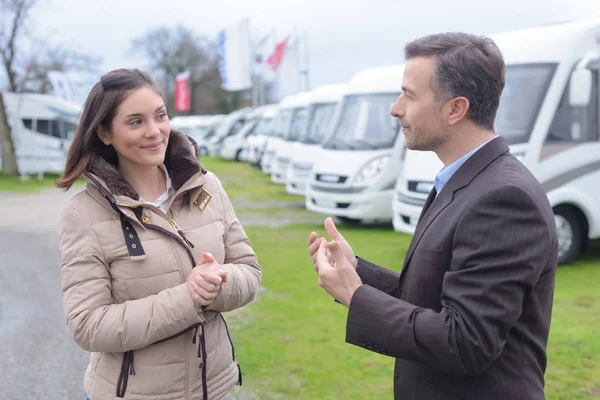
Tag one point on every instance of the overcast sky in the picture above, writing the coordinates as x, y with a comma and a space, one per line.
344, 36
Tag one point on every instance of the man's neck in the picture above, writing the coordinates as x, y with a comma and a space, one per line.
148, 182
459, 144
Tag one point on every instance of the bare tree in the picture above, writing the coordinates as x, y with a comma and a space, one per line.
26, 71
13, 15
170, 51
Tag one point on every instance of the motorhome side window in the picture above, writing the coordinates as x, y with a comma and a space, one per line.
54, 128
576, 124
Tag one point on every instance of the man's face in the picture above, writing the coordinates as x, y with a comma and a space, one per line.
423, 123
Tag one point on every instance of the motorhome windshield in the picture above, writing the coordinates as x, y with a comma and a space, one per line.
364, 123
264, 126
197, 132
297, 124
282, 123
524, 91
319, 121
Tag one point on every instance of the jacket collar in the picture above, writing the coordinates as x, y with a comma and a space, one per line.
462, 177
180, 161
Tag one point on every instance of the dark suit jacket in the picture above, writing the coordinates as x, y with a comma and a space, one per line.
469, 316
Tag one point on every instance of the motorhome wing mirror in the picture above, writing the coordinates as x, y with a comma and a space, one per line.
580, 88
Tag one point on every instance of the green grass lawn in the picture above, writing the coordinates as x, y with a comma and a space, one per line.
28, 185
290, 341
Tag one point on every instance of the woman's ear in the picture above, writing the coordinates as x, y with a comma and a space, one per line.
103, 135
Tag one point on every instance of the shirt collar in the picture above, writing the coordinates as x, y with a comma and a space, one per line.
445, 174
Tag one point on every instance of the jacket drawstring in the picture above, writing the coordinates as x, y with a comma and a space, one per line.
127, 369
202, 353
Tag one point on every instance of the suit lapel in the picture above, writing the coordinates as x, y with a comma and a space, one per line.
461, 178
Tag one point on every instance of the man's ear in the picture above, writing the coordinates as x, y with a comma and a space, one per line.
459, 108
103, 135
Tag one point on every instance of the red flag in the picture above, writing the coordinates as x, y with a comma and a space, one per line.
275, 59
182, 92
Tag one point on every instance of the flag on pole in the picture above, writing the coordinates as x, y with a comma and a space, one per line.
182, 92
235, 56
276, 58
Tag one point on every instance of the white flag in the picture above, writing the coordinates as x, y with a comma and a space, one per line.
288, 73
235, 52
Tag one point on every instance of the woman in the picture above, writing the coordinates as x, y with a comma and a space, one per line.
152, 252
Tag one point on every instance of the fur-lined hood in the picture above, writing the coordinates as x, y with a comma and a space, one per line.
181, 161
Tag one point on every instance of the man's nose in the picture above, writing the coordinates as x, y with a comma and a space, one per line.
396, 109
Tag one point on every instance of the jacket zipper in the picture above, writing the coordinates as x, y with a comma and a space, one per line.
180, 232
239, 382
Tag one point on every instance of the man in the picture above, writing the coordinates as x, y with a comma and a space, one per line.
469, 316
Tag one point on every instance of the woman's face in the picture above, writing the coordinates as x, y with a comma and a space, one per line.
140, 129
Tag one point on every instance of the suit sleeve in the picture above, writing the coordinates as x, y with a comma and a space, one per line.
501, 246
378, 277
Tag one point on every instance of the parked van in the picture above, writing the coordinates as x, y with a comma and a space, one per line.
231, 125
549, 115
298, 109
42, 128
279, 129
323, 104
233, 146
255, 142
354, 175
199, 127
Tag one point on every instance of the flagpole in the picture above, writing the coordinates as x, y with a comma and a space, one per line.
253, 74
306, 77
299, 59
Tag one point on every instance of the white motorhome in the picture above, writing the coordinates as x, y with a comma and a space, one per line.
549, 115
258, 137
231, 124
354, 175
199, 127
298, 109
233, 146
323, 104
42, 127
279, 128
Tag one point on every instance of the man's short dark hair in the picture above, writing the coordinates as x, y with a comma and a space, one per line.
466, 65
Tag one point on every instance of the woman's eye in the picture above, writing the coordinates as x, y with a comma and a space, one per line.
135, 122
162, 116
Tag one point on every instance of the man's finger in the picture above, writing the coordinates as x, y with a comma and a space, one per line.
312, 237
332, 230
312, 249
336, 254
322, 261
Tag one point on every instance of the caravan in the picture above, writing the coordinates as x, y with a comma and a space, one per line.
256, 140
43, 127
297, 109
323, 104
549, 115
354, 175
279, 129
199, 127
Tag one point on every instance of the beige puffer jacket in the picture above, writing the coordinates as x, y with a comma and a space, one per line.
124, 270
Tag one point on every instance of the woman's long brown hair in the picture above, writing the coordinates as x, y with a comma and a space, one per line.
98, 111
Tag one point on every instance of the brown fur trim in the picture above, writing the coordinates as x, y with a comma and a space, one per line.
180, 161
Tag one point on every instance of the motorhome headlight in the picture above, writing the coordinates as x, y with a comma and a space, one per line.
372, 170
